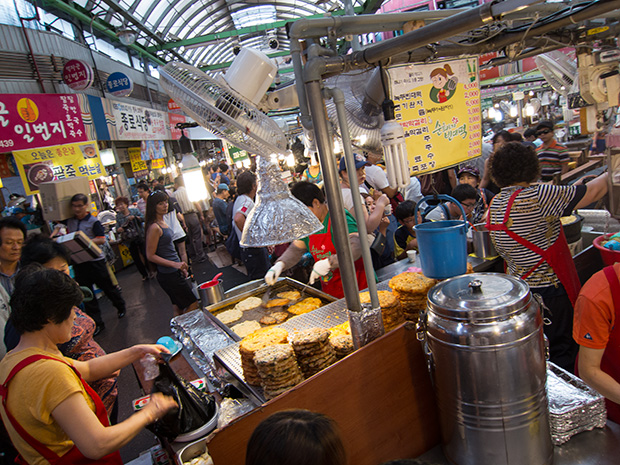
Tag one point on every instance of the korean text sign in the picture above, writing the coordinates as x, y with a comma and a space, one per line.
39, 120
138, 165
58, 162
438, 106
140, 123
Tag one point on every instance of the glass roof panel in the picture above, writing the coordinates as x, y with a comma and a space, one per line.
254, 16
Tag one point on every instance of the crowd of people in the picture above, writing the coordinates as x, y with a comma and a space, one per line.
49, 321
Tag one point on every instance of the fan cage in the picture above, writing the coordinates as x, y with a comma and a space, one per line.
222, 111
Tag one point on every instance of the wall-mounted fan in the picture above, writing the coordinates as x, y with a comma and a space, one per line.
225, 112
559, 71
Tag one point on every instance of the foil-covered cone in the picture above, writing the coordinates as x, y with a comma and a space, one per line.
277, 216
366, 325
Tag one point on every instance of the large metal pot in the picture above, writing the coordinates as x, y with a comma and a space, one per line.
483, 336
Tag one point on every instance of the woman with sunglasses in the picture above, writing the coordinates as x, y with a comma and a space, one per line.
524, 220
552, 156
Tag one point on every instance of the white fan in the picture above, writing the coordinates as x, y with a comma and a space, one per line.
226, 113
559, 71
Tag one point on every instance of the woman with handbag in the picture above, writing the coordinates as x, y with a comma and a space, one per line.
50, 412
130, 227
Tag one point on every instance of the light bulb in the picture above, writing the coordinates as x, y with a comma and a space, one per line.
513, 112
499, 116
395, 154
290, 160
491, 113
529, 109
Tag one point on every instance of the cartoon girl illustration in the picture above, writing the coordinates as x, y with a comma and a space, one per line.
443, 85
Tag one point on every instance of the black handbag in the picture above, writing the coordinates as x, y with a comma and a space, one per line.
131, 231
195, 406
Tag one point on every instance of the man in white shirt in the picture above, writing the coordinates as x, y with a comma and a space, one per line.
255, 259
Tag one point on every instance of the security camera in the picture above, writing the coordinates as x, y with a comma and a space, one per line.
236, 49
273, 43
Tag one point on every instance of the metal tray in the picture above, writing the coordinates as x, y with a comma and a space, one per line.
283, 284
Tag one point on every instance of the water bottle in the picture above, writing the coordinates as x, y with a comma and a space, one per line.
150, 367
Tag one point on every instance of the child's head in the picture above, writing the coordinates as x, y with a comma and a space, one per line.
405, 212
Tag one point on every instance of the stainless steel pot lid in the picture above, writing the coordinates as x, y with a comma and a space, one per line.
479, 296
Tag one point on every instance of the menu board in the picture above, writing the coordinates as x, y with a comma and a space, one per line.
134, 122
47, 164
138, 165
438, 106
39, 120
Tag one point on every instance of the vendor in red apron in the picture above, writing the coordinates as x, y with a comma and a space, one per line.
321, 246
596, 328
50, 412
524, 220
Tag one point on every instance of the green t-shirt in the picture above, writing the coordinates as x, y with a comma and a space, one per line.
351, 226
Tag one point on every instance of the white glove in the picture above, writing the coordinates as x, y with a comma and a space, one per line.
274, 273
320, 268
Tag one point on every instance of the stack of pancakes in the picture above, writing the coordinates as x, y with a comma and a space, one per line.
391, 310
411, 290
278, 369
341, 340
313, 350
254, 342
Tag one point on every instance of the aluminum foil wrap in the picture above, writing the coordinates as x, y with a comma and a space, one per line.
366, 325
201, 337
573, 405
277, 216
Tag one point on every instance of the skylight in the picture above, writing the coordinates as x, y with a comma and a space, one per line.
254, 16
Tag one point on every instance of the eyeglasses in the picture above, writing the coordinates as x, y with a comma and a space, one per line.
543, 131
468, 205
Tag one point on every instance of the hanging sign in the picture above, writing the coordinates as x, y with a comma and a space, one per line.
47, 164
134, 122
172, 105
237, 154
152, 149
174, 119
119, 84
78, 75
138, 165
158, 164
39, 120
438, 106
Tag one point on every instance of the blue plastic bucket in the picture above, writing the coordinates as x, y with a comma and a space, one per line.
442, 244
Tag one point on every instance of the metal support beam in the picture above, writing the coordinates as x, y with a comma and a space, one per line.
100, 27
237, 32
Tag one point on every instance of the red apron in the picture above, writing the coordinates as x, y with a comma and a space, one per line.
321, 246
610, 363
74, 456
558, 255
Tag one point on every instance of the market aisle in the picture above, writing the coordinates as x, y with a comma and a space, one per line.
148, 318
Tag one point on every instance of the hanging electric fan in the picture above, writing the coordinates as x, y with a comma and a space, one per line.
217, 107
559, 71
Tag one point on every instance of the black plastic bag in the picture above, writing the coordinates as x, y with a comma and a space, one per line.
195, 407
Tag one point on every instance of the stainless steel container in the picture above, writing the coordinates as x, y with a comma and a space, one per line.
483, 245
483, 337
211, 292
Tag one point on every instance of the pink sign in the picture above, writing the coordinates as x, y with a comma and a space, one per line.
39, 120
174, 119
78, 75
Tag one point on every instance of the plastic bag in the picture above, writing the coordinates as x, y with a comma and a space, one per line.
233, 408
195, 407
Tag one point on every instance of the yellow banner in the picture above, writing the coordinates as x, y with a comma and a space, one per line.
58, 162
158, 164
438, 106
138, 165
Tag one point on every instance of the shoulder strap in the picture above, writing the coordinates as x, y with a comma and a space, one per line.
614, 285
46, 453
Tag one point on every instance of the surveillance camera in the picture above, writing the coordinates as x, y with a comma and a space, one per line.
273, 43
236, 49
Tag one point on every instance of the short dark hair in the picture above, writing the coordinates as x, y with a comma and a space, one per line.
464, 192
514, 163
223, 167
144, 186
42, 296
503, 134
80, 198
529, 132
306, 192
404, 210
10, 222
297, 437
516, 137
245, 182
41, 249
545, 124
122, 199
